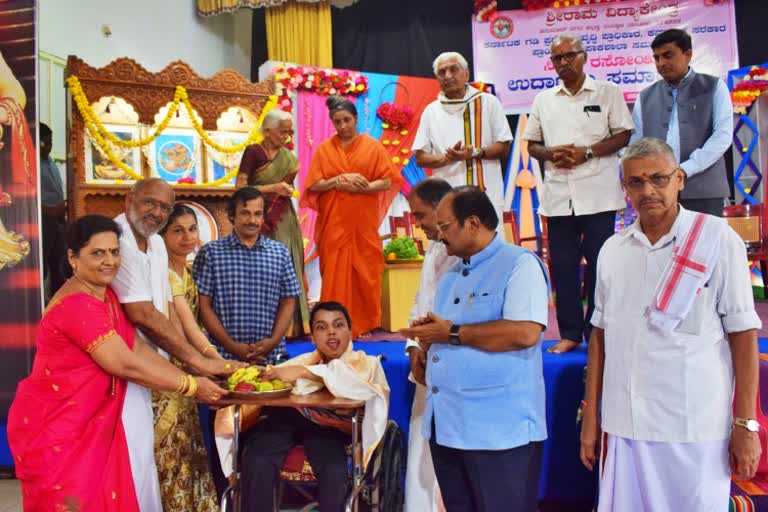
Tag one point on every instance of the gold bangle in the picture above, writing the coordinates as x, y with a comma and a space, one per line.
192, 386
206, 349
182, 383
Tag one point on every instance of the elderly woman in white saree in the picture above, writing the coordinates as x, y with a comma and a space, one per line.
323, 433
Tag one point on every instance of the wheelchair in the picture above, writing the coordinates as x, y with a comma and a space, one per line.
377, 489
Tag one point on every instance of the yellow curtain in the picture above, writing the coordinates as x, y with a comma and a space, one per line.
300, 32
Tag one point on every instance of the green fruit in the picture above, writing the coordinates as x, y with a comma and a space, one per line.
277, 384
265, 386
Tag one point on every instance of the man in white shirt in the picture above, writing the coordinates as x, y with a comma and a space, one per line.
463, 134
422, 493
664, 362
142, 286
576, 128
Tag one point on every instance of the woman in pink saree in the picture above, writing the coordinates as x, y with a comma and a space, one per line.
64, 426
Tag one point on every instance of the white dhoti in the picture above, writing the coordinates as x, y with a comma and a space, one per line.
422, 494
647, 476
140, 436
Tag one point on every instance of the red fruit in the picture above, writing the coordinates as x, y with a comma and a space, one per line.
245, 386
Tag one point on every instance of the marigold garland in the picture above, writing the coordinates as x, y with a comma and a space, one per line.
747, 91
99, 132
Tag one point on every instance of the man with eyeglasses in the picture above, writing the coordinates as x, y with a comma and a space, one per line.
484, 415
463, 134
576, 129
674, 329
694, 114
143, 288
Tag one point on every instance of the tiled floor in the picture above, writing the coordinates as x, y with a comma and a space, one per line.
10, 496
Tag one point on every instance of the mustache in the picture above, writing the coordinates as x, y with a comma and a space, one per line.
647, 200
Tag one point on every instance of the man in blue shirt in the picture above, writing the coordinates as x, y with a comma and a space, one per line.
484, 416
54, 209
247, 286
693, 113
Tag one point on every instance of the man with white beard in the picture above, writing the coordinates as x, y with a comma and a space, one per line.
142, 286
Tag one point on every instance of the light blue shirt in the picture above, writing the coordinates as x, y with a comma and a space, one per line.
488, 400
51, 187
717, 143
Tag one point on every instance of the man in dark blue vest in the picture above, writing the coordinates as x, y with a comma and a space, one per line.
693, 113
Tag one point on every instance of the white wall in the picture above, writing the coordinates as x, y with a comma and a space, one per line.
152, 32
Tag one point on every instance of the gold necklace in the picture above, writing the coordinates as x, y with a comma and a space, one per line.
89, 288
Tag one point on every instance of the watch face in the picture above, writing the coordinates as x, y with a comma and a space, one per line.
753, 426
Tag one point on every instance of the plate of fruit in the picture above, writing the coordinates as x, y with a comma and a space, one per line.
249, 382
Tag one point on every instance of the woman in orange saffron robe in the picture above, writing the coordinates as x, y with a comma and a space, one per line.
351, 183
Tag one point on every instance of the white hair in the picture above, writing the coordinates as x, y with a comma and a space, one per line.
275, 117
450, 55
648, 147
564, 37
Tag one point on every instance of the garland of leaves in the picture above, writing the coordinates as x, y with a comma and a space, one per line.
107, 140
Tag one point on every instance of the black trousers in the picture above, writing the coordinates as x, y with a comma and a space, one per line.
54, 251
488, 480
712, 206
270, 440
572, 238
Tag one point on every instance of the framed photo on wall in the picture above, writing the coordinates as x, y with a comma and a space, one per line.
176, 155
99, 168
219, 165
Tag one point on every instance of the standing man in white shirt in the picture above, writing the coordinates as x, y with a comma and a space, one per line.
674, 326
576, 128
422, 493
463, 134
694, 114
142, 286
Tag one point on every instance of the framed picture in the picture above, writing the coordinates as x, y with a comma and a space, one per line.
175, 155
220, 164
98, 166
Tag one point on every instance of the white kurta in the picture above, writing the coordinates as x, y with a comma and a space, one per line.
442, 126
142, 277
557, 118
422, 493
667, 398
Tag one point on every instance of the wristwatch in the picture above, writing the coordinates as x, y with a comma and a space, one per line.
478, 153
751, 425
454, 334
588, 154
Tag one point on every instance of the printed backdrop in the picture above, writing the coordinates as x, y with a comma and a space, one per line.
513, 50
20, 299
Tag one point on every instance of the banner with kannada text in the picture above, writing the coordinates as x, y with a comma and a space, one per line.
512, 51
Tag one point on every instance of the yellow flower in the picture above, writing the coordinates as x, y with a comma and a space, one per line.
396, 159
405, 151
384, 125
395, 142
403, 132
406, 161
385, 142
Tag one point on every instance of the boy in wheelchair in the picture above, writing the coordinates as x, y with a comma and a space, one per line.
324, 433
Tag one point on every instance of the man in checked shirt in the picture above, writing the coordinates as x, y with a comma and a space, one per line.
247, 286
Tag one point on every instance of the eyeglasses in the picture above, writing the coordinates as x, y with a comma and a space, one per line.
657, 181
569, 56
151, 204
441, 226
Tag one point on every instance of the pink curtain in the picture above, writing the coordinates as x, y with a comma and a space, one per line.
313, 127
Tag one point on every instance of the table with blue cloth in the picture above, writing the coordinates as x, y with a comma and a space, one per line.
564, 481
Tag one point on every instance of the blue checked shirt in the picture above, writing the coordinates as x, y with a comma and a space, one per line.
246, 286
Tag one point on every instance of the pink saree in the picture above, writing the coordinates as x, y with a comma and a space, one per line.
64, 426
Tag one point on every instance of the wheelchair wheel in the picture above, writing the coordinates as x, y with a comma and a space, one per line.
386, 472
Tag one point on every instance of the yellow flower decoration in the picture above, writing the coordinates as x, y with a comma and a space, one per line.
403, 132
384, 125
385, 142
405, 151
396, 159
406, 161
395, 142
99, 132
